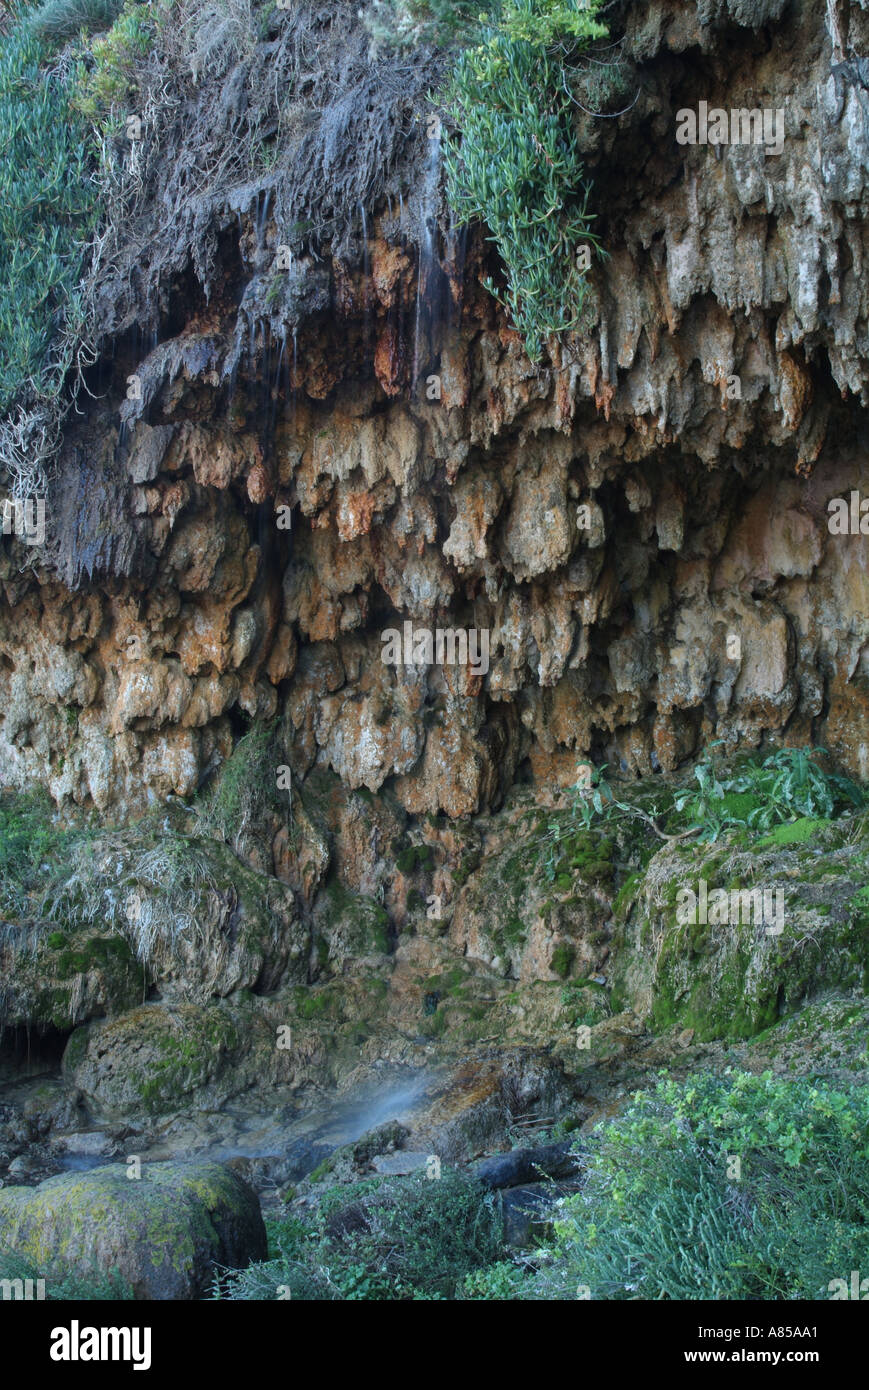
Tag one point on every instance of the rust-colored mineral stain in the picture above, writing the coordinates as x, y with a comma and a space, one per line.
390, 360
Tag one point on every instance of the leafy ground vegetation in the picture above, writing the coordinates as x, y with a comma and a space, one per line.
401, 1239
736, 1186
755, 796
720, 1187
521, 69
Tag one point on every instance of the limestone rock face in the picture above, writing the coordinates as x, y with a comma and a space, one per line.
161, 1234
638, 529
640, 525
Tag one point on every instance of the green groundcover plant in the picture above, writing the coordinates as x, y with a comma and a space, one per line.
404, 1239
736, 1186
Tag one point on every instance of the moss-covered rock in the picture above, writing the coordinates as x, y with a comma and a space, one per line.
54, 978
205, 923
736, 977
158, 1059
537, 909
161, 1233
348, 926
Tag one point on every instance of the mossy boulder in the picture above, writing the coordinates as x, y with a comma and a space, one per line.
53, 977
205, 924
735, 977
158, 1059
161, 1233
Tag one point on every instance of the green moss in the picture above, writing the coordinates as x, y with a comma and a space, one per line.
187, 1059
415, 857
562, 959
469, 862
793, 833
366, 919
626, 895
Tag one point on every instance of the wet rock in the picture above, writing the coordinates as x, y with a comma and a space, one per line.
522, 1166
58, 976
527, 1212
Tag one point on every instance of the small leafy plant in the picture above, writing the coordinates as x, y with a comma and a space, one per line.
516, 165
785, 786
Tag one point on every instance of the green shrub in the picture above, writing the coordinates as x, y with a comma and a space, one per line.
400, 1238
58, 20
107, 83
503, 1280
516, 165
47, 208
782, 788
666, 1213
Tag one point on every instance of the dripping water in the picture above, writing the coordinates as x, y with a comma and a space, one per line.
262, 217
426, 252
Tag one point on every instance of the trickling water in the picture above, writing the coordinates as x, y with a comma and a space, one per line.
251, 346
262, 217
426, 253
